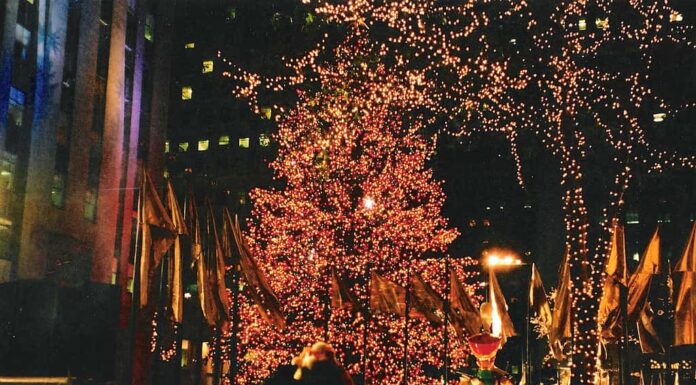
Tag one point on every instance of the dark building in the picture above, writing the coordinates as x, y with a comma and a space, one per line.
82, 103
216, 146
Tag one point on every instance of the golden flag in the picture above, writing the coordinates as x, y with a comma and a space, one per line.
174, 281
500, 311
560, 325
647, 335
615, 269
685, 314
205, 294
386, 296
425, 302
216, 263
638, 287
465, 316
537, 299
261, 292
157, 234
341, 297
688, 260
639, 284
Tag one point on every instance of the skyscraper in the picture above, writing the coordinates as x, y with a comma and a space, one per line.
82, 104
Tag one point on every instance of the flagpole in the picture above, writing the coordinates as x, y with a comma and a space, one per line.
446, 318
135, 301
327, 312
406, 319
367, 316
528, 367
235, 325
155, 364
623, 304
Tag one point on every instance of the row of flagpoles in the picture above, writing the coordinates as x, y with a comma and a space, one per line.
624, 300
168, 233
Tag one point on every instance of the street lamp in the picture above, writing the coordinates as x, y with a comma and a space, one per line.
501, 258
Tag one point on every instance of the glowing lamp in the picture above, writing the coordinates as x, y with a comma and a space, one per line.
485, 346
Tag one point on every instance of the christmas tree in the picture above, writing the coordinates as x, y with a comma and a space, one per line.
356, 194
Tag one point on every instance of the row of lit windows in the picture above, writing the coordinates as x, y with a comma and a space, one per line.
603, 23
224, 140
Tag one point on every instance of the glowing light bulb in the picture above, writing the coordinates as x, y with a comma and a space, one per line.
368, 202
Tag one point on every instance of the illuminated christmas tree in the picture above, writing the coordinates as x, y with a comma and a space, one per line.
356, 194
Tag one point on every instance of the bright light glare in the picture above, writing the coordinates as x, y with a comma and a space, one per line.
368, 202
506, 260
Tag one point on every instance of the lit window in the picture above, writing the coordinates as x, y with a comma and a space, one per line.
185, 351
675, 17
23, 38
242, 198
632, 218
266, 112
264, 140
183, 147
636, 257
186, 93
582, 24
149, 27
659, 117
58, 190
190, 45
244, 142
166, 147
602, 23
224, 140
203, 145
207, 66
22, 35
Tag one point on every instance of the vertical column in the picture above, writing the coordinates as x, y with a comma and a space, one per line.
103, 261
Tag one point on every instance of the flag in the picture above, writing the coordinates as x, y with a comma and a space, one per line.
685, 314
386, 296
615, 269
647, 335
157, 234
537, 299
639, 284
638, 287
341, 298
425, 302
465, 316
560, 325
226, 241
260, 290
502, 324
688, 260
174, 279
205, 294
216, 266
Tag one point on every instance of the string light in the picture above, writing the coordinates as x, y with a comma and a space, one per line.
446, 65
357, 193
